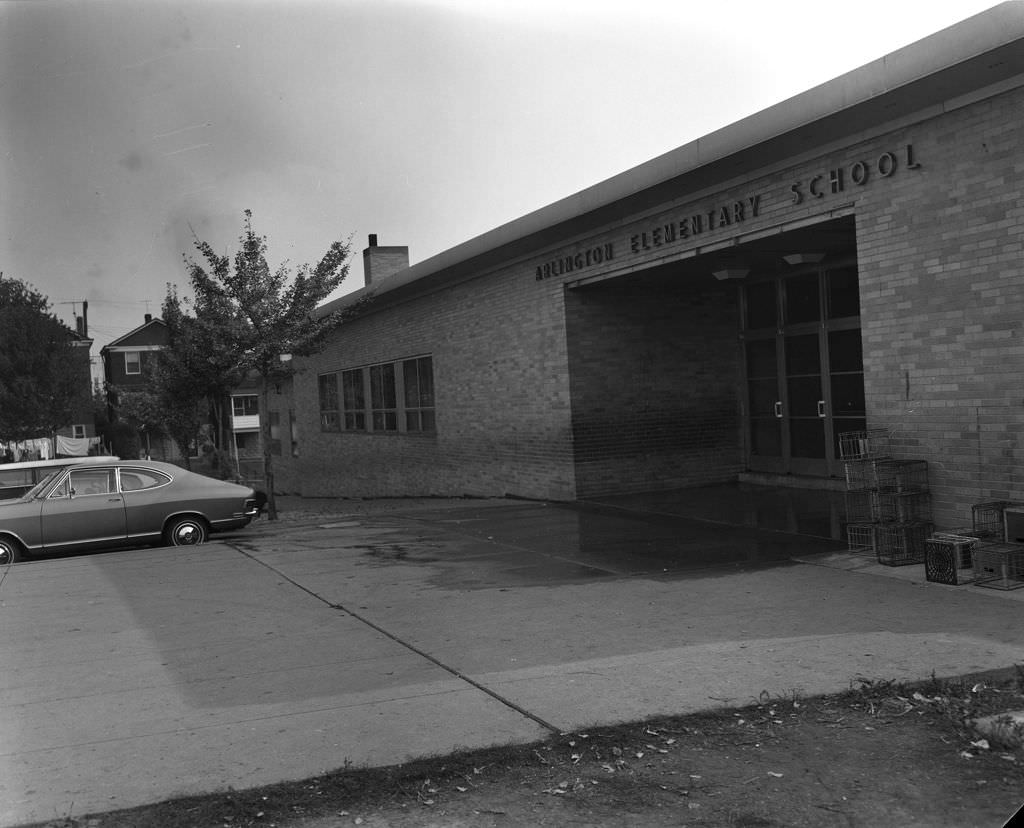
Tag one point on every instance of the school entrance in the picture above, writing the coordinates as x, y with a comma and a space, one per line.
804, 371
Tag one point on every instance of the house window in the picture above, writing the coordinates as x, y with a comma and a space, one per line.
246, 406
383, 398
329, 420
293, 432
354, 399
418, 375
78, 431
132, 362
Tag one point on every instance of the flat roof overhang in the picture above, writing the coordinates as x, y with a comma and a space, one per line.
935, 74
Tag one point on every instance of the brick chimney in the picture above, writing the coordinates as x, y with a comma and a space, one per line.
381, 262
82, 322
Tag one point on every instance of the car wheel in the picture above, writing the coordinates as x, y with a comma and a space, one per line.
10, 551
186, 531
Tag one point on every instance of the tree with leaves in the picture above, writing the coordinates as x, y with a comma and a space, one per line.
259, 315
44, 376
192, 374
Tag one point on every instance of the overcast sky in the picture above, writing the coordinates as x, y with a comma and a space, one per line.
428, 122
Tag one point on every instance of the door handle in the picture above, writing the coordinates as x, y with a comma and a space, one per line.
821, 408
778, 409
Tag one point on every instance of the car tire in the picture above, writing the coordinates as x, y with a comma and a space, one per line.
186, 531
10, 551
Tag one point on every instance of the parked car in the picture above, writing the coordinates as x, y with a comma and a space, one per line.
18, 478
120, 503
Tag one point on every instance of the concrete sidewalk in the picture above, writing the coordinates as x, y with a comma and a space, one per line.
348, 635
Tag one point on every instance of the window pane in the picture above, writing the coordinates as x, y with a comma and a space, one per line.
844, 351
328, 387
382, 385
804, 395
803, 355
426, 374
848, 395
135, 479
418, 388
93, 482
802, 299
354, 394
761, 309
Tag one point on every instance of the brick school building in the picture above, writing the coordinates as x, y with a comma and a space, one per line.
848, 259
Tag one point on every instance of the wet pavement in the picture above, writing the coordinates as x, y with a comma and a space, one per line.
372, 632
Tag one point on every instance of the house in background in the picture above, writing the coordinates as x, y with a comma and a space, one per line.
246, 438
79, 438
125, 364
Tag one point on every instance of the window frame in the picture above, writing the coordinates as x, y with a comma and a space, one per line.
378, 398
248, 401
330, 414
418, 414
353, 414
128, 372
383, 397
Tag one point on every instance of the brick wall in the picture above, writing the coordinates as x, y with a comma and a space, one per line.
655, 376
501, 396
942, 275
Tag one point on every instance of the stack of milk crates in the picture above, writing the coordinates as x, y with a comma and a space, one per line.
888, 502
989, 554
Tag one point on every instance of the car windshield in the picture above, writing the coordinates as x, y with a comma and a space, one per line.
47, 479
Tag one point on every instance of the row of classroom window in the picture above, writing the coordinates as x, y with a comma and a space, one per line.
368, 399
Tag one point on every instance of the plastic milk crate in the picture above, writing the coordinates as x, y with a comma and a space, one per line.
999, 565
949, 558
900, 544
903, 507
861, 505
987, 519
888, 475
860, 538
861, 445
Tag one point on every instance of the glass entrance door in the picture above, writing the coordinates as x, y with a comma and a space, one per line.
804, 369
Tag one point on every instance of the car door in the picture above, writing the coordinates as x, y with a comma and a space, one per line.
84, 509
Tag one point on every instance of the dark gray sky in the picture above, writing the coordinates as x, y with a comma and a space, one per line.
123, 123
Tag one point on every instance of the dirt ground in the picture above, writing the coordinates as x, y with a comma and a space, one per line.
878, 755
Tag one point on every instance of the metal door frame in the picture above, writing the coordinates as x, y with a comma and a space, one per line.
785, 463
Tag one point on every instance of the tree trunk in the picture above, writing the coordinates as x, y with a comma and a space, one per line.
265, 438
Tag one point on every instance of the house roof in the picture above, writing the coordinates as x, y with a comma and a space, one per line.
934, 74
150, 332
